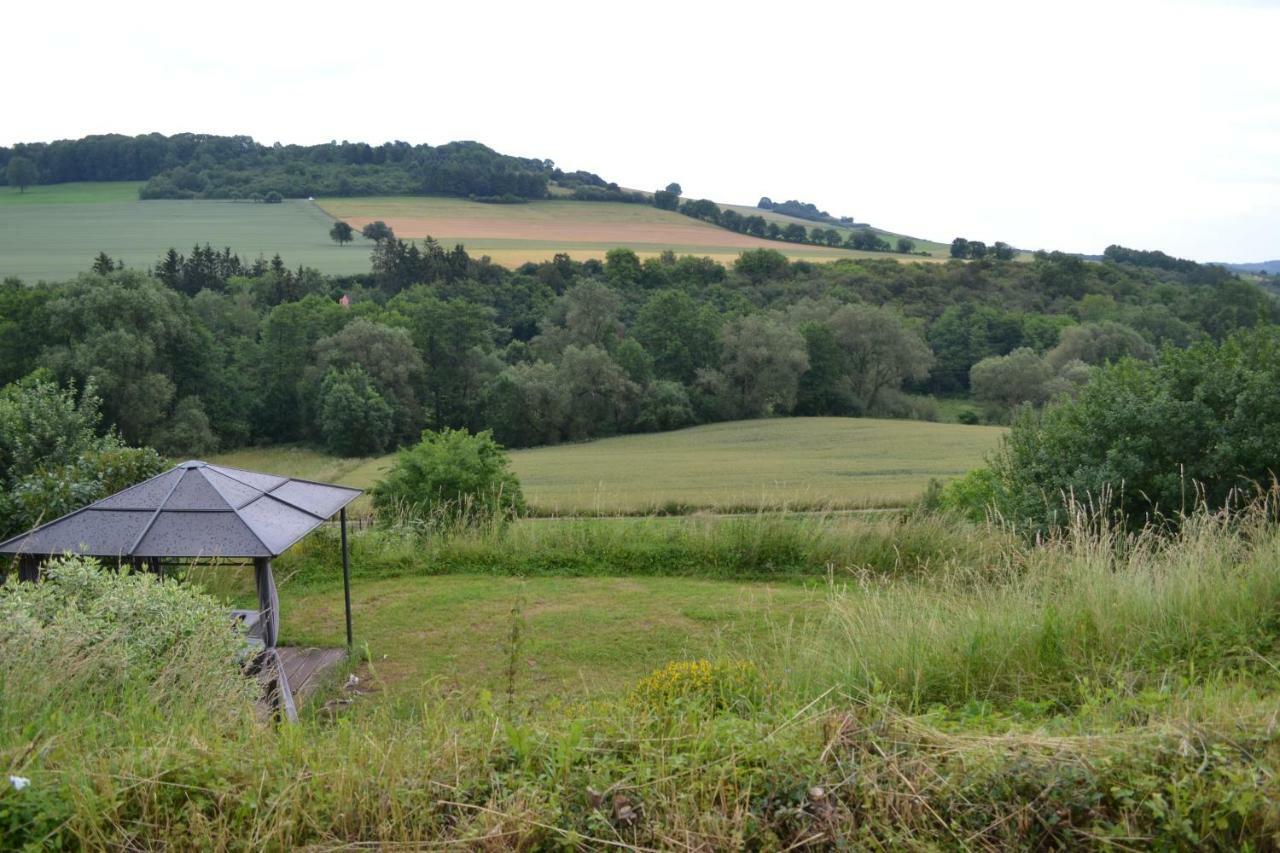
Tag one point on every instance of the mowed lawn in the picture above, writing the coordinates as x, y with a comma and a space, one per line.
512, 234
54, 232
577, 636
842, 463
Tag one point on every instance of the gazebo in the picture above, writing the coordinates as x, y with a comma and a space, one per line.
198, 511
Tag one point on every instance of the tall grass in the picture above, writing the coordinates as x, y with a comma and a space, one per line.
858, 731
1092, 609
762, 546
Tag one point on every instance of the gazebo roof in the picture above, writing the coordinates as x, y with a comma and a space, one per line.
193, 510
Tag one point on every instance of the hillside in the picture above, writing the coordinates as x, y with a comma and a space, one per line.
512, 234
512, 209
53, 232
797, 462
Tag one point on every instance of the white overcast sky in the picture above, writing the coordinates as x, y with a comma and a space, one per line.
1066, 125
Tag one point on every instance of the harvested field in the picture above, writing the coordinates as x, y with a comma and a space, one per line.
534, 231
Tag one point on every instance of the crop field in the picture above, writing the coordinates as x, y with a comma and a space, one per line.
839, 463
512, 234
54, 232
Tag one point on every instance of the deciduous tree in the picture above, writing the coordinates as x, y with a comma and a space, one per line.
21, 173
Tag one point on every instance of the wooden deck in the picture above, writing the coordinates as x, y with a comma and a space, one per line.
305, 670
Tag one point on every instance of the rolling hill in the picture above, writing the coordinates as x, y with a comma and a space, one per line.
843, 463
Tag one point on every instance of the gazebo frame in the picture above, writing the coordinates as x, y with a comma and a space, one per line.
195, 511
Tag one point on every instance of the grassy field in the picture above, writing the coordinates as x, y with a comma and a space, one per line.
453, 631
512, 234
1098, 691
54, 232
89, 192
843, 463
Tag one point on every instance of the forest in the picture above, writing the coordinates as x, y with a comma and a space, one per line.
208, 350
198, 165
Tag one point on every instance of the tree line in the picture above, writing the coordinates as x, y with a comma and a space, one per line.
209, 350
859, 237
194, 165
206, 166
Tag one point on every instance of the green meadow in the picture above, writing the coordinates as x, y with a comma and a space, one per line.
54, 232
796, 463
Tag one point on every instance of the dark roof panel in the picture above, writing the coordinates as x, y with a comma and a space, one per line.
201, 534
145, 495
103, 533
195, 492
235, 493
278, 524
193, 510
261, 482
321, 499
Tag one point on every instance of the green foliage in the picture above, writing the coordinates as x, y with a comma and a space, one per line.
377, 231
1098, 343
451, 476
622, 267
188, 431
21, 172
664, 405
246, 346
390, 361
681, 335
341, 233
976, 496
666, 200
1151, 439
52, 459
355, 420
729, 685
110, 649
762, 364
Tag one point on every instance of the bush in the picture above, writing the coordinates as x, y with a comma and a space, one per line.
106, 633
452, 477
1151, 439
52, 460
974, 496
734, 685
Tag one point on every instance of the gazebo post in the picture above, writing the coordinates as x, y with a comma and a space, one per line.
346, 572
268, 601
28, 568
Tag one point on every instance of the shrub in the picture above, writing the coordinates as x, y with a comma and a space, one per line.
450, 476
733, 685
52, 459
108, 633
1196, 425
974, 496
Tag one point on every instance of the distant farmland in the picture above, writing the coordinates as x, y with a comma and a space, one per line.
54, 232
512, 234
